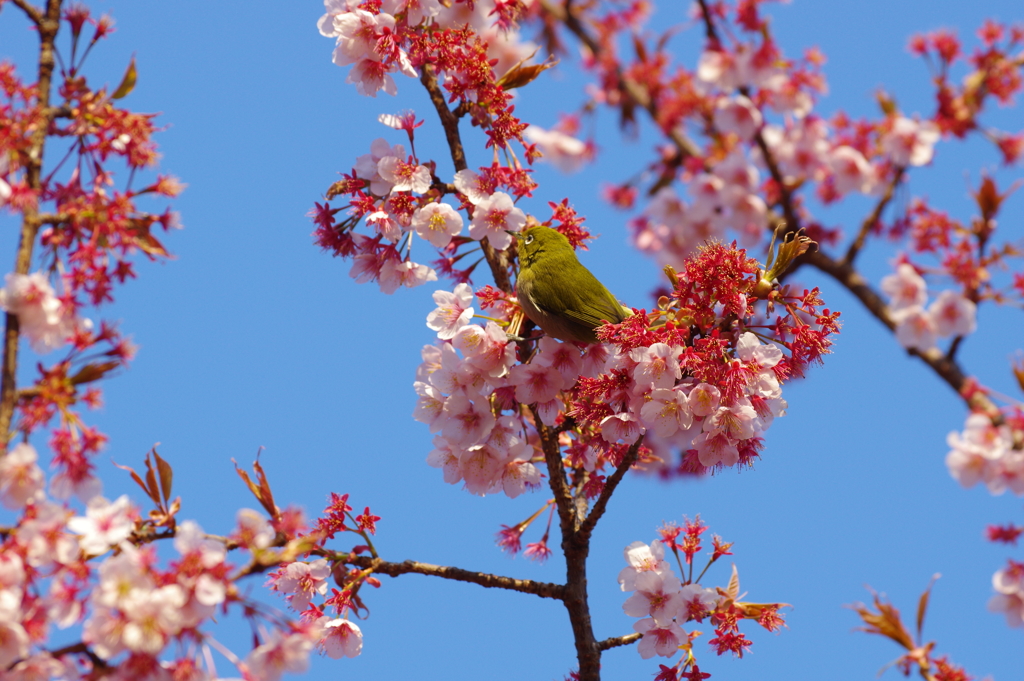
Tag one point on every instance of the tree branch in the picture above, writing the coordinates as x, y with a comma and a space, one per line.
619, 641
31, 10
872, 219
486, 580
609, 488
47, 27
497, 260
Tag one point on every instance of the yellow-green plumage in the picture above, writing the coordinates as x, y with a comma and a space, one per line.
559, 294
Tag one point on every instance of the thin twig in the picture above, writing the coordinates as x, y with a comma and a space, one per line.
609, 488
871, 220
31, 10
486, 580
619, 641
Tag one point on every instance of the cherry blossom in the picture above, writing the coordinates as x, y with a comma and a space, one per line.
453, 311
563, 151
494, 218
105, 524
341, 638
43, 317
437, 223
21, 478
953, 314
906, 288
911, 143
404, 176
302, 582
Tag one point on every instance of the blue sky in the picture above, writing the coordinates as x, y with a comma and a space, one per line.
252, 338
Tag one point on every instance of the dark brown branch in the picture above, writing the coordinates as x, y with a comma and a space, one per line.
47, 27
619, 641
609, 488
486, 580
871, 220
497, 260
80, 648
31, 10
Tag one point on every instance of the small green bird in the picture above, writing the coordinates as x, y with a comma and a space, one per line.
558, 293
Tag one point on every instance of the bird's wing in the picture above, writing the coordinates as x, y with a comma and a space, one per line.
591, 311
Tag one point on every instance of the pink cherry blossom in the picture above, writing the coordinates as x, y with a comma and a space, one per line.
341, 638
430, 406
563, 151
667, 412
21, 478
404, 176
953, 314
482, 468
656, 595
334, 8
395, 274
564, 357
252, 531
437, 223
641, 558
657, 366
281, 653
486, 347
302, 582
445, 458
104, 524
911, 143
519, 475
357, 33
737, 115
704, 399
416, 11
385, 225
1009, 598
659, 640
43, 318
494, 218
468, 419
715, 448
915, 328
620, 428
366, 165
851, 171
535, 383
453, 311
906, 288
467, 182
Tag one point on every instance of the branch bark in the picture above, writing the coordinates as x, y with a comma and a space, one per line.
47, 27
486, 580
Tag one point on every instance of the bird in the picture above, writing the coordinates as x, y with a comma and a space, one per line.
559, 294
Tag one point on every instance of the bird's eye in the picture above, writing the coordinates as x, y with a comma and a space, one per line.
529, 239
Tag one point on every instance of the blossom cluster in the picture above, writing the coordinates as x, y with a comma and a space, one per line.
1009, 597
951, 314
985, 452
692, 378
667, 602
98, 569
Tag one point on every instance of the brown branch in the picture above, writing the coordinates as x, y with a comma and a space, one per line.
486, 580
609, 488
619, 641
872, 219
31, 10
47, 28
497, 260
